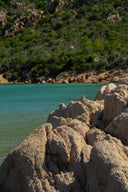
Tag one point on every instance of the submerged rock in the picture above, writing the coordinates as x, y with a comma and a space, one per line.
72, 152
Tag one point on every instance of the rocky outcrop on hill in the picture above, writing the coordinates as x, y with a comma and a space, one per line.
114, 17
73, 151
24, 21
22, 15
3, 19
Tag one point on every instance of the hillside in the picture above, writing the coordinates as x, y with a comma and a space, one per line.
44, 38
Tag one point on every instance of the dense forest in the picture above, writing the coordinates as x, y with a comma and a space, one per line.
44, 38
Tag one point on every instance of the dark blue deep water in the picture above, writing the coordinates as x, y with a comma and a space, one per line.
25, 107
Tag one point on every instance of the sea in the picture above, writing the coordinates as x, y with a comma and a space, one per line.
23, 108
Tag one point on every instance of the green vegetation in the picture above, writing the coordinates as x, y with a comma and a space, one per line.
78, 37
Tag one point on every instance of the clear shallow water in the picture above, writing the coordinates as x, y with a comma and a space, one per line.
25, 107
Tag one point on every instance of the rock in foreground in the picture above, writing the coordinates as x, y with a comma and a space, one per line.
73, 151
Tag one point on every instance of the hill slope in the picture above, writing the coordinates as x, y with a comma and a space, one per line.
45, 38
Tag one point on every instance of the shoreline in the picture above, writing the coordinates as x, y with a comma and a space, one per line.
66, 78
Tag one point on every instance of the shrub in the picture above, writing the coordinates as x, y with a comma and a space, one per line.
58, 25
95, 16
41, 4
67, 15
118, 3
83, 10
6, 75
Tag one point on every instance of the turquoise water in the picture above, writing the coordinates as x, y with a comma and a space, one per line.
25, 107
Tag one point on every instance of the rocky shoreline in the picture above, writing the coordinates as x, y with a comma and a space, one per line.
3, 80
82, 147
66, 77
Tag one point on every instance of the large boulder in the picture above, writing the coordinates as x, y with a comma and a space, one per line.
48, 160
106, 89
94, 108
115, 102
107, 169
68, 156
24, 168
60, 160
79, 126
94, 135
74, 110
119, 127
81, 109
65, 145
